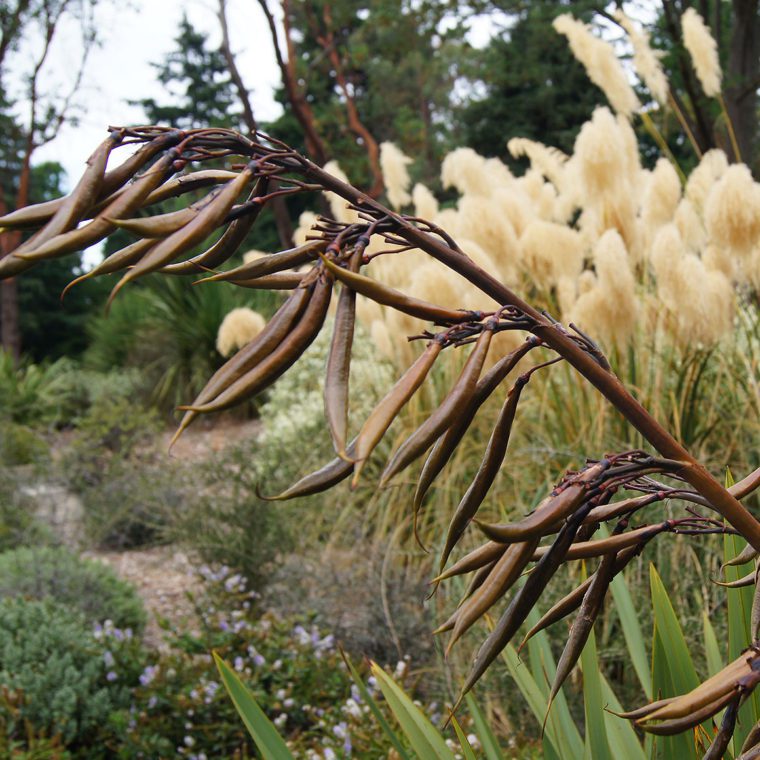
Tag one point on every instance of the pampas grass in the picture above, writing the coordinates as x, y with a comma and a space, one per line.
646, 60
703, 51
239, 327
732, 211
393, 164
601, 64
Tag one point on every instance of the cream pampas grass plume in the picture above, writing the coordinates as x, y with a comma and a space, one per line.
698, 303
711, 168
338, 206
471, 174
393, 164
703, 51
601, 64
732, 211
239, 327
608, 308
252, 255
690, 226
645, 59
425, 203
305, 222
549, 161
661, 197
551, 252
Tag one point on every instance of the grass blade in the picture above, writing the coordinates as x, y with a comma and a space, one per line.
467, 751
424, 737
264, 734
483, 730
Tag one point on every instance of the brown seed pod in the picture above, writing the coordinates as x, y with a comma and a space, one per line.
271, 367
493, 458
382, 294
250, 355
386, 411
339, 364
442, 418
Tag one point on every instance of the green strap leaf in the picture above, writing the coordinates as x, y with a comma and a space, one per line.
265, 735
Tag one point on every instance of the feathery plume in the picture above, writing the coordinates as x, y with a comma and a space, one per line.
646, 60
690, 225
710, 169
338, 207
601, 64
703, 51
305, 222
661, 197
252, 255
472, 174
549, 161
732, 211
551, 252
609, 308
393, 165
425, 203
239, 327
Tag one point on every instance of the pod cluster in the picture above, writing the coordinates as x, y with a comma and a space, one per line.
516, 560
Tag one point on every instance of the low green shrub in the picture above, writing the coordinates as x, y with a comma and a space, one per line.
60, 678
18, 524
294, 669
84, 586
20, 445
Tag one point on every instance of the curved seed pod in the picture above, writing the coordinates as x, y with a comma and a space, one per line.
40, 213
550, 511
622, 507
503, 576
679, 725
339, 363
386, 411
250, 355
186, 183
523, 601
68, 211
747, 554
279, 281
282, 358
719, 744
745, 580
478, 579
11, 265
382, 294
231, 239
29, 217
493, 458
421, 439
746, 485
159, 225
583, 624
116, 261
641, 712
101, 226
603, 546
570, 602
713, 688
755, 614
448, 442
488, 552
121, 174
452, 619
326, 477
752, 753
200, 226
275, 262
753, 738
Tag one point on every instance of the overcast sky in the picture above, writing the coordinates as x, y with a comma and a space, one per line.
134, 34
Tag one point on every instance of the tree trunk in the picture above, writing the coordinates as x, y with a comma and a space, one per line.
742, 76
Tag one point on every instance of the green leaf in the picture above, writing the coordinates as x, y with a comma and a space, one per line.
620, 734
596, 734
265, 735
715, 661
375, 709
483, 730
424, 737
629, 622
673, 671
739, 617
463, 743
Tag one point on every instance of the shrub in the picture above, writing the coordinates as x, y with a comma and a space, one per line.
20, 445
85, 586
18, 525
60, 679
